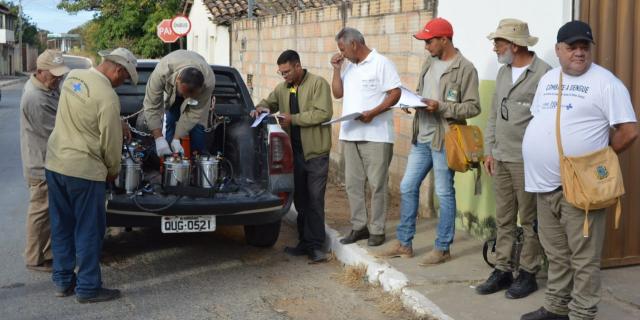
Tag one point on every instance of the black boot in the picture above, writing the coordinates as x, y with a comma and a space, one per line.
543, 314
356, 235
498, 280
375, 240
524, 285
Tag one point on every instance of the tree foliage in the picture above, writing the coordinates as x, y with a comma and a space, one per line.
124, 23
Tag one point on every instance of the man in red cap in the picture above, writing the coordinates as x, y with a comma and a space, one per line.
449, 84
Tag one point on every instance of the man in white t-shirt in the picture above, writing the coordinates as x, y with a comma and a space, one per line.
369, 84
510, 114
594, 102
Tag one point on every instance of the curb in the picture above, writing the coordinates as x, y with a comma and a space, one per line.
390, 279
12, 82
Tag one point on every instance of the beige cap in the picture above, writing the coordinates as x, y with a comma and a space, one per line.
515, 31
52, 61
124, 58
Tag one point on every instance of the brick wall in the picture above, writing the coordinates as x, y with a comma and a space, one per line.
388, 27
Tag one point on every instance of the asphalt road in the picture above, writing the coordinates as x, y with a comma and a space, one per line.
188, 276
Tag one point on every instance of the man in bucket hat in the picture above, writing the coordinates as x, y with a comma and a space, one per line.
83, 152
516, 84
37, 116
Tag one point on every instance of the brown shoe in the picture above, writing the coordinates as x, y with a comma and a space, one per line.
46, 266
436, 257
397, 250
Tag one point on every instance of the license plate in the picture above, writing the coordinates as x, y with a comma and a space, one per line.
179, 224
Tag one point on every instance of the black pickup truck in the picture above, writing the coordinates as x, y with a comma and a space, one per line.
254, 184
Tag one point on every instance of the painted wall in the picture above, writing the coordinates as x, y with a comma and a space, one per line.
206, 38
471, 27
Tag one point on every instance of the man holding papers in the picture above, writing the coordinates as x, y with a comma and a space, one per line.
369, 84
449, 83
304, 102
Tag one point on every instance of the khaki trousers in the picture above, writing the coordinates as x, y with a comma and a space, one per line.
367, 161
38, 247
573, 286
512, 201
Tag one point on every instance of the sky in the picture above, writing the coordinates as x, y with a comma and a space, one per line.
46, 16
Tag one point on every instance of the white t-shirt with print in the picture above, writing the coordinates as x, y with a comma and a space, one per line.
591, 104
365, 85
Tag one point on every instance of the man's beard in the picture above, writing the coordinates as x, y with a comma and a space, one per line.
506, 58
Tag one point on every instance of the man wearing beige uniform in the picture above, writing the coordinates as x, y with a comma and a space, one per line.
83, 152
37, 117
516, 84
180, 87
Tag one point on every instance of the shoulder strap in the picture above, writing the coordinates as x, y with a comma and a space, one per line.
559, 107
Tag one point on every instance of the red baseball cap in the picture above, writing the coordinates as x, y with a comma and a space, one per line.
437, 27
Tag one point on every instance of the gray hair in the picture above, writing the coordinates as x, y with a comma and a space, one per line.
349, 35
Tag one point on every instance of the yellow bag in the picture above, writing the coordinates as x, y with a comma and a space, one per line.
592, 181
464, 147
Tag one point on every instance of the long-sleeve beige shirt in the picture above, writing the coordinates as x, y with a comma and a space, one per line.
86, 141
160, 93
511, 111
37, 117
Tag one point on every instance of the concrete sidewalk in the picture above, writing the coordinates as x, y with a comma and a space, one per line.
449, 288
11, 80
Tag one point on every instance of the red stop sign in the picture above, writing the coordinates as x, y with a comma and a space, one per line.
165, 32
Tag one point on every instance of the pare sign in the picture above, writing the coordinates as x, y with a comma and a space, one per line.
180, 25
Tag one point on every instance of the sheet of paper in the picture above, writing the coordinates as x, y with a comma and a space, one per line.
259, 119
347, 117
409, 99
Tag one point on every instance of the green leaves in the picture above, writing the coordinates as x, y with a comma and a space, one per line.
125, 23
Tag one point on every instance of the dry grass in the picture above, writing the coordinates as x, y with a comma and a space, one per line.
354, 276
388, 303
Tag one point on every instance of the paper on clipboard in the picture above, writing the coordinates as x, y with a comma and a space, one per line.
259, 119
408, 99
351, 116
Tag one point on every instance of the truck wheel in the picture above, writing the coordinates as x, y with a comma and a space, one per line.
262, 235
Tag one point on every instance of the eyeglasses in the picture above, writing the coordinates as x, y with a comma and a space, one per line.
284, 74
504, 112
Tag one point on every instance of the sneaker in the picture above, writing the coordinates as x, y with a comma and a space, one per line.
524, 285
396, 251
543, 314
103, 295
46, 266
356, 235
375, 240
498, 280
436, 257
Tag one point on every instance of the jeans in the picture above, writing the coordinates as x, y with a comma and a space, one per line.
78, 223
196, 134
422, 159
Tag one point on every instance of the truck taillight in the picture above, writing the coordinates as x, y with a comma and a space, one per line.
280, 154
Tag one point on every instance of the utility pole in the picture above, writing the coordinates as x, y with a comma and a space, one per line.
20, 34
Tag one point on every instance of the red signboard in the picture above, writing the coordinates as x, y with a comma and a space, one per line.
165, 32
